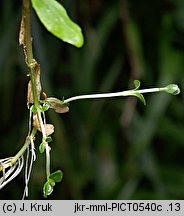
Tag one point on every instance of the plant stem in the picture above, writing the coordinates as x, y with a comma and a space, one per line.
47, 148
27, 47
27, 31
108, 95
24, 147
33, 68
151, 90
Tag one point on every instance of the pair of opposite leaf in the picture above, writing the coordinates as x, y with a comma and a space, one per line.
53, 103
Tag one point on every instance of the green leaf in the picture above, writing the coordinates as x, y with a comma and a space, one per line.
47, 189
52, 182
172, 89
45, 107
33, 109
55, 18
56, 176
140, 96
42, 148
48, 139
137, 84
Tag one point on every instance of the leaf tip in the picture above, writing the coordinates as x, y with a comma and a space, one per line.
137, 84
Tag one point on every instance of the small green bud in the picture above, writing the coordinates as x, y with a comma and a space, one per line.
48, 139
45, 107
33, 109
172, 89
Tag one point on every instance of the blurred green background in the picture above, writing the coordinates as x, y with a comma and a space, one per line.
107, 149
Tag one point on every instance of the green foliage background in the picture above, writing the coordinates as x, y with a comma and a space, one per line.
107, 149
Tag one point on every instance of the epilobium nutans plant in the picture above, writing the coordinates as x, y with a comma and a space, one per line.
55, 18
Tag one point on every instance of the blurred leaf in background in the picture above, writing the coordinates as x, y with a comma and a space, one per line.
107, 149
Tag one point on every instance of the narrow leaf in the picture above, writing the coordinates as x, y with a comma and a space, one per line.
55, 18
137, 84
140, 96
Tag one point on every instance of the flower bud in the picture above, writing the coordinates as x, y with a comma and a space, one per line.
172, 89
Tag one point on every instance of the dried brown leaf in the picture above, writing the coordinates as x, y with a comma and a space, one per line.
21, 32
49, 128
30, 99
36, 123
61, 108
29, 94
58, 105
